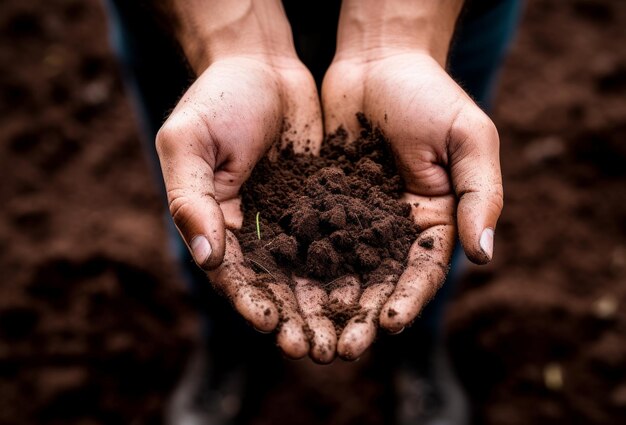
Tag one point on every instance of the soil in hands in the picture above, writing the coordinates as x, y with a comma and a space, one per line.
329, 216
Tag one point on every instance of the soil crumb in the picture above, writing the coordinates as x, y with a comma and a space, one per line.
329, 216
340, 313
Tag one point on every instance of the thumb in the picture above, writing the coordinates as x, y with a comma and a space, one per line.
474, 149
187, 167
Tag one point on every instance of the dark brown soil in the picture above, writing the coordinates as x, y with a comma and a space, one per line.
340, 314
330, 215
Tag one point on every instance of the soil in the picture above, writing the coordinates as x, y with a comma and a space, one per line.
328, 216
331, 215
94, 326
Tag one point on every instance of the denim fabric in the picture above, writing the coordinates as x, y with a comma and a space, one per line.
479, 46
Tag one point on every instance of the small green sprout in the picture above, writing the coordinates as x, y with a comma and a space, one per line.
258, 226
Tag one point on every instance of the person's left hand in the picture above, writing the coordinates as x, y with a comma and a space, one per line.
447, 151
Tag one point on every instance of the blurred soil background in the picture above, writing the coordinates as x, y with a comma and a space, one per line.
539, 336
93, 323
95, 327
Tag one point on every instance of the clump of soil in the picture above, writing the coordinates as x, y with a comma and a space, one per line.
340, 314
328, 216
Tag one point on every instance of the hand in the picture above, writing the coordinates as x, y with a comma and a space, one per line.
447, 151
236, 109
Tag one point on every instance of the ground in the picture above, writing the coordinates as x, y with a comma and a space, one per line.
95, 326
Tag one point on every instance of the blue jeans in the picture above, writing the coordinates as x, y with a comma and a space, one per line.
157, 77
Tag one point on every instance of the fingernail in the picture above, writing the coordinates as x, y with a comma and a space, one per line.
486, 242
200, 249
399, 331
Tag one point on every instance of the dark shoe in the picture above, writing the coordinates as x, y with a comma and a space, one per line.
430, 394
200, 400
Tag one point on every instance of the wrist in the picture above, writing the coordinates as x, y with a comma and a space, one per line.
212, 30
373, 29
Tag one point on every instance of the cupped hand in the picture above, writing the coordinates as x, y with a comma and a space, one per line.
225, 122
447, 151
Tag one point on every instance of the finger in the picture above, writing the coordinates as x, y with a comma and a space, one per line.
189, 182
235, 280
361, 329
232, 210
312, 298
475, 171
346, 291
291, 337
427, 266
343, 301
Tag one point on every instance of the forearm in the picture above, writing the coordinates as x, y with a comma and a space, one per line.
208, 30
370, 28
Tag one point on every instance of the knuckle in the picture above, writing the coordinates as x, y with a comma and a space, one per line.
181, 211
486, 127
176, 128
493, 138
496, 200
495, 192
166, 138
473, 121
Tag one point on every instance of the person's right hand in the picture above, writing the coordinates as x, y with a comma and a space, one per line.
242, 103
